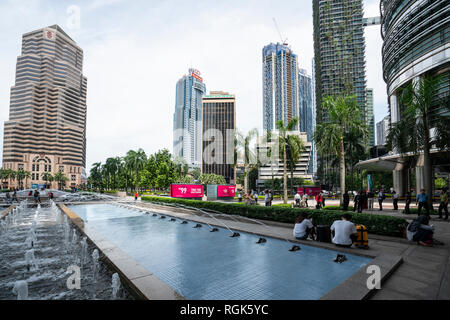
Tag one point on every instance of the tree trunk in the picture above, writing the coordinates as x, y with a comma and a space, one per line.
342, 167
245, 178
285, 185
427, 166
137, 181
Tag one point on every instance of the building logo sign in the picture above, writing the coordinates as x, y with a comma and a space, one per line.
196, 74
49, 35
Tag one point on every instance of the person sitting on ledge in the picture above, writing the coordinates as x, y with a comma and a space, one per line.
420, 232
303, 227
344, 231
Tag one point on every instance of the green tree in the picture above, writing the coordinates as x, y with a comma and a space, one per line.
61, 179
136, 161
412, 132
46, 176
243, 145
285, 139
343, 116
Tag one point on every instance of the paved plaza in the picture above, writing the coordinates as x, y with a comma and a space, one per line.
423, 274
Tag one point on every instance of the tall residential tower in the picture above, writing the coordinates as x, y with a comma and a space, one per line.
280, 85
339, 50
187, 120
46, 130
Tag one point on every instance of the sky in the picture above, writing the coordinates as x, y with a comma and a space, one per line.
135, 51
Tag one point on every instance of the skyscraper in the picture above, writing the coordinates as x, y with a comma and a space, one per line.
370, 117
219, 128
187, 120
46, 130
339, 51
280, 85
383, 130
305, 103
306, 110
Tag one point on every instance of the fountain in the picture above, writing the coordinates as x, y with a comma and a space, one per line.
21, 290
31, 239
95, 265
84, 251
115, 285
31, 260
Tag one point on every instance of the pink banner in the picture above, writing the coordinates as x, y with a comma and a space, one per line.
310, 191
226, 191
187, 191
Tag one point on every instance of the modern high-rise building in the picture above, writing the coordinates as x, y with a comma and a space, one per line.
187, 120
306, 110
383, 130
370, 117
219, 128
46, 130
305, 103
314, 114
339, 51
280, 85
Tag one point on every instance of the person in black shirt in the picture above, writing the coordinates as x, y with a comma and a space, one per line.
408, 202
346, 201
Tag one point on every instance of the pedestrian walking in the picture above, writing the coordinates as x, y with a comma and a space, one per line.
422, 201
396, 195
443, 206
408, 202
381, 197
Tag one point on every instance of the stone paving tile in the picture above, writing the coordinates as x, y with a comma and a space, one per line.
386, 294
415, 288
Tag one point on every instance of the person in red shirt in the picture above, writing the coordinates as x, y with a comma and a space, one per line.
136, 196
319, 201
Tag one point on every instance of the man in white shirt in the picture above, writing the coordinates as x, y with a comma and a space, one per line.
344, 231
303, 227
297, 199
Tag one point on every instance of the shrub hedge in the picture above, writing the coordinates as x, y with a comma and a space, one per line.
376, 224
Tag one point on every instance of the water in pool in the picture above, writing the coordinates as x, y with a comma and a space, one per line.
204, 265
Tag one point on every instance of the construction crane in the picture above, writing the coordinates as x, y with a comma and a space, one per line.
284, 42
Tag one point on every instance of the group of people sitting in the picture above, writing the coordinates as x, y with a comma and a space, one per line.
344, 231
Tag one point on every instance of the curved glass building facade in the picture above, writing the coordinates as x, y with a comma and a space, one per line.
416, 36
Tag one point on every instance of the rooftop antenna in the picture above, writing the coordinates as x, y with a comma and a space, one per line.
284, 42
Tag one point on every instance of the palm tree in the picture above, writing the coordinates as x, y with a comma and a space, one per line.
295, 148
21, 175
46, 176
284, 138
412, 132
136, 161
355, 147
11, 176
61, 179
343, 115
244, 144
27, 175
95, 174
4, 175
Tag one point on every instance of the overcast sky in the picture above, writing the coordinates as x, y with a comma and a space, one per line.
136, 50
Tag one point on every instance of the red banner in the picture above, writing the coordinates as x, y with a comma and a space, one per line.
310, 191
226, 191
187, 191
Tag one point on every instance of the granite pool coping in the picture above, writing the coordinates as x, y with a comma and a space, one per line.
140, 281
7, 211
353, 288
